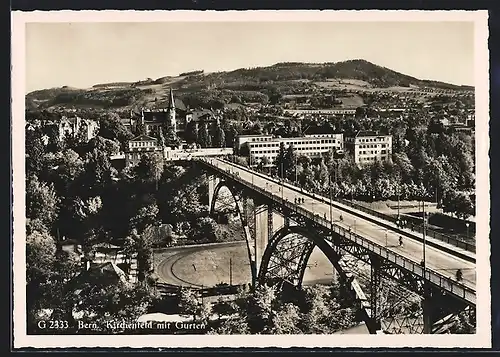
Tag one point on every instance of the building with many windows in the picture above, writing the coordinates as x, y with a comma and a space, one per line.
369, 146
256, 147
140, 145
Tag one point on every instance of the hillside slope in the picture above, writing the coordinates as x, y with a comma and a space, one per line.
241, 85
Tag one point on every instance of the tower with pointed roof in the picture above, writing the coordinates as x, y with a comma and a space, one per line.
171, 111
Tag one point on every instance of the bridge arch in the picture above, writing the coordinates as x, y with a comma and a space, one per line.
284, 262
243, 219
286, 255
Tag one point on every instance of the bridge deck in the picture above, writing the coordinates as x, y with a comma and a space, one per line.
442, 263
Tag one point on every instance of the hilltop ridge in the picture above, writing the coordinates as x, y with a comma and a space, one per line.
256, 84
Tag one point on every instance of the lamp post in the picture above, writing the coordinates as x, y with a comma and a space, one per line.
467, 225
331, 211
425, 241
282, 178
398, 200
386, 238
296, 177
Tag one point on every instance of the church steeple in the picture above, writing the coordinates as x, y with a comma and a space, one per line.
171, 111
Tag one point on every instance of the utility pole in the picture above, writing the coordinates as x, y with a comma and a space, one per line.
231, 271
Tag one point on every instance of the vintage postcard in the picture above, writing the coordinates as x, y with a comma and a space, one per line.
251, 179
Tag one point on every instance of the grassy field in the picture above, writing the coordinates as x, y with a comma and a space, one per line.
211, 265
391, 207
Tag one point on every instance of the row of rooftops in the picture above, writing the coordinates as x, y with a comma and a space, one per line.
360, 133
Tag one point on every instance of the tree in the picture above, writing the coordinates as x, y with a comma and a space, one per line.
161, 138
171, 138
204, 312
35, 151
98, 173
188, 302
316, 316
150, 168
40, 257
263, 163
286, 320
306, 177
145, 216
144, 248
458, 203
280, 160
234, 326
203, 136
464, 206
100, 301
219, 137
191, 132
68, 171
140, 128
321, 175
223, 308
231, 134
256, 129
260, 308
290, 162
89, 223
106, 146
204, 230
41, 201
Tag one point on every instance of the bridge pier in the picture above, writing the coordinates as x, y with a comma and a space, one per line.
427, 309
213, 181
267, 221
375, 289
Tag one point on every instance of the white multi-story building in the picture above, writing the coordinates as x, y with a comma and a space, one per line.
139, 146
369, 146
260, 146
242, 142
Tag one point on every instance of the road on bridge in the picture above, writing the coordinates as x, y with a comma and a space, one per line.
436, 259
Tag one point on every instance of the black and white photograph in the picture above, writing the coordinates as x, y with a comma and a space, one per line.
251, 179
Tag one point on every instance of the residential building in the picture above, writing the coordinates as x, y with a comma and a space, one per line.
369, 146
86, 129
259, 146
139, 146
154, 119
208, 116
333, 111
175, 116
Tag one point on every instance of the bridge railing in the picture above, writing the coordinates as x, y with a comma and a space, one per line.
468, 246
438, 279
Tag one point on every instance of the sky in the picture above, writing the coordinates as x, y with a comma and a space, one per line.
82, 54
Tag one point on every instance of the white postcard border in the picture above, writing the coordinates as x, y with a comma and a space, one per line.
483, 336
